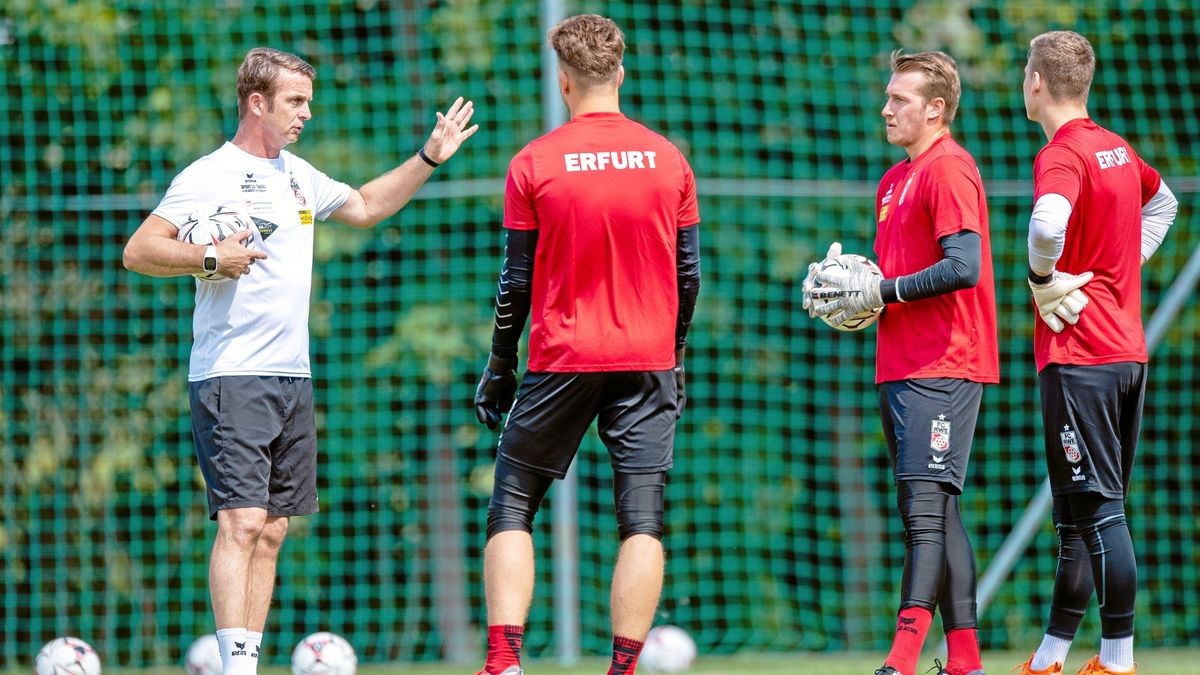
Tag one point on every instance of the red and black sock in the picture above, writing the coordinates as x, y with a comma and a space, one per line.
504, 647
624, 655
911, 627
962, 651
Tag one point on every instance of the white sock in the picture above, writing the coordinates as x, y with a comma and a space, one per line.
255, 646
235, 657
1117, 654
1052, 650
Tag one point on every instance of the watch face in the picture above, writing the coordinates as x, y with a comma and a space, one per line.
210, 264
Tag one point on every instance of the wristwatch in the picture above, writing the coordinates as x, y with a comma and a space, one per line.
210, 258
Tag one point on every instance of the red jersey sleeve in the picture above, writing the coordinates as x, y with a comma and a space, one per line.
953, 197
1057, 171
689, 210
519, 213
1151, 181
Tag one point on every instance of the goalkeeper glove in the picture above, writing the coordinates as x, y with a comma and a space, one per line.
856, 290
1060, 299
680, 394
835, 249
494, 395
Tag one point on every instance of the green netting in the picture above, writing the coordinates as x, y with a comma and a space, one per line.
781, 533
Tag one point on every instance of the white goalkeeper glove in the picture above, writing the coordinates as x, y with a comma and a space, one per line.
1060, 299
854, 290
835, 249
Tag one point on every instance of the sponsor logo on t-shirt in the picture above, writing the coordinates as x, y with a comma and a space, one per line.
251, 184
609, 159
1112, 158
885, 203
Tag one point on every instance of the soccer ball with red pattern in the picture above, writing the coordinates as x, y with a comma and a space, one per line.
67, 656
668, 649
210, 225
324, 653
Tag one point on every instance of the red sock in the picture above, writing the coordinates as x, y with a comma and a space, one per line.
911, 627
962, 647
624, 655
504, 648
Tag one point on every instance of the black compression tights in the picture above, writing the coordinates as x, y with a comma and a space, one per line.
1093, 545
939, 565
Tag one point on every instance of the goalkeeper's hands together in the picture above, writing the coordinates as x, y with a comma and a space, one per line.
849, 292
497, 388
835, 249
1060, 299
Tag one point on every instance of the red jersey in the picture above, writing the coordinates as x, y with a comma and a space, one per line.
1107, 185
951, 335
607, 196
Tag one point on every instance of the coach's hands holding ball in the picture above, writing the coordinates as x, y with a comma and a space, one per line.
234, 255
497, 387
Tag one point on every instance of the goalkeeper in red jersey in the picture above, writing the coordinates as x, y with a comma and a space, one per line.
935, 350
1099, 213
601, 257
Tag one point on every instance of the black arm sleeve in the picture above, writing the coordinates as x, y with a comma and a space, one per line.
515, 291
687, 265
959, 268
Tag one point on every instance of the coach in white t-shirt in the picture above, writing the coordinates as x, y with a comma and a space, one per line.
250, 380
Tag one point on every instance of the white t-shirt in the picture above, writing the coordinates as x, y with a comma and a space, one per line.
257, 324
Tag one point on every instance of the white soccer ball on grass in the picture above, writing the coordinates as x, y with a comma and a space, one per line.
203, 656
668, 649
67, 656
324, 653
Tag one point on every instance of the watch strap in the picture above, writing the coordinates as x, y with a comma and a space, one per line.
210, 258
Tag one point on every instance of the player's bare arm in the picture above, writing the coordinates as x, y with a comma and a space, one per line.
154, 251
384, 196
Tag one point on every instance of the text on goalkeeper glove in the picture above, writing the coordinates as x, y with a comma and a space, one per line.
835, 250
850, 289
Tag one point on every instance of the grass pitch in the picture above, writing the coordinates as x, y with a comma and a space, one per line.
1150, 662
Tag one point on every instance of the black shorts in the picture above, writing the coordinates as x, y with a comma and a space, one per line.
1092, 416
929, 425
256, 440
553, 410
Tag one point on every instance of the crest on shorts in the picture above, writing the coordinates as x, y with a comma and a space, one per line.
1070, 446
939, 434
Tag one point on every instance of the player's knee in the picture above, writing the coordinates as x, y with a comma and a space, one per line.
639, 502
922, 506
516, 496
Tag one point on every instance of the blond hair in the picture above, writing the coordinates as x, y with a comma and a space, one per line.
1066, 63
941, 77
260, 71
589, 44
